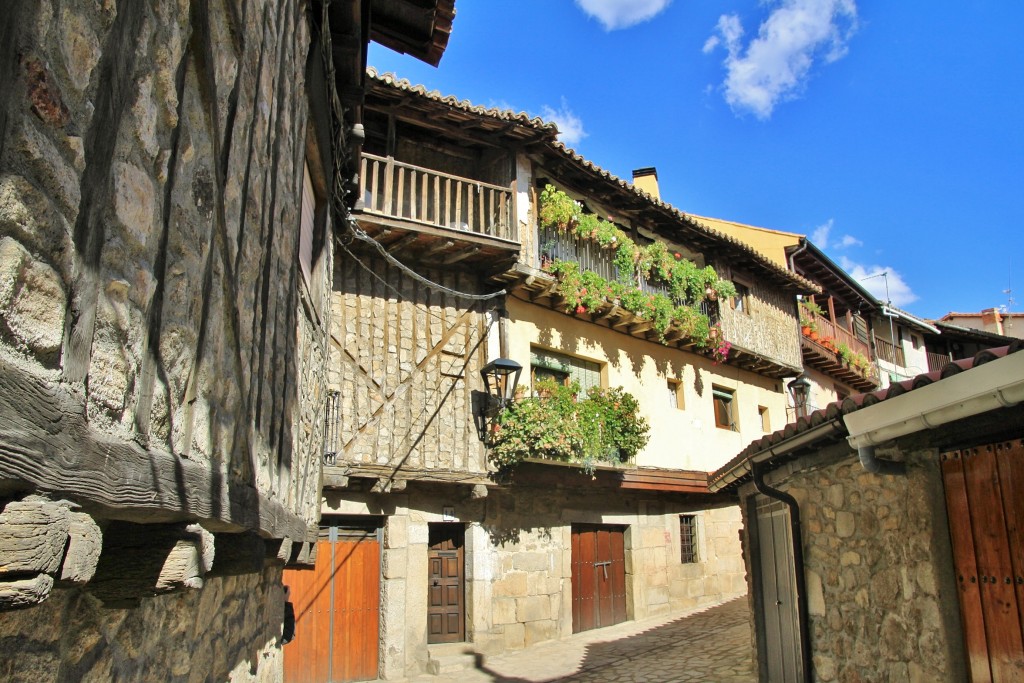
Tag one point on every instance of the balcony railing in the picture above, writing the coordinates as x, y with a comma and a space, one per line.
937, 361
840, 335
890, 353
398, 190
553, 245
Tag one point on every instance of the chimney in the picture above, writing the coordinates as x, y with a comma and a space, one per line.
990, 319
646, 179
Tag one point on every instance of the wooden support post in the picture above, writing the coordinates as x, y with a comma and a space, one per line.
85, 541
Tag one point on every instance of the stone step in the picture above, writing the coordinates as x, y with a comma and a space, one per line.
450, 658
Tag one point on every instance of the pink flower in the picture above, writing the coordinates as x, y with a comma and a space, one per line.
677, 255
581, 309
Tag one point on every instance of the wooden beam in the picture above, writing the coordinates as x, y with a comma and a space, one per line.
460, 255
143, 560
442, 245
47, 443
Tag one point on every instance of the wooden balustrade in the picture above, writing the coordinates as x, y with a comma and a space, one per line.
840, 335
395, 189
937, 361
890, 353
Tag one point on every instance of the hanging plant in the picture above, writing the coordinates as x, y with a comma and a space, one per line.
603, 426
688, 285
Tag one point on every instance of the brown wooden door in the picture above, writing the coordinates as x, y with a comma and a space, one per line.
598, 577
985, 504
337, 610
446, 613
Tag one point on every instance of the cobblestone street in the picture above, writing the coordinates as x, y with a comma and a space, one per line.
711, 645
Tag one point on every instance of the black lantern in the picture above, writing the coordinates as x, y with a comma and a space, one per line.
800, 388
501, 377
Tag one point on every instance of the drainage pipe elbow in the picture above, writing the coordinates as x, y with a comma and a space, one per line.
884, 467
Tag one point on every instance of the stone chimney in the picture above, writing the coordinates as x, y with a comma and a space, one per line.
646, 179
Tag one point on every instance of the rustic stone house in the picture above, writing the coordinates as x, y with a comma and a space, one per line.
427, 551
168, 176
883, 532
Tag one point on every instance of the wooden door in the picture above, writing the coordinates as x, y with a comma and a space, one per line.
779, 645
337, 609
985, 505
446, 613
598, 577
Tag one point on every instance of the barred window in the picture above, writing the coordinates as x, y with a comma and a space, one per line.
688, 539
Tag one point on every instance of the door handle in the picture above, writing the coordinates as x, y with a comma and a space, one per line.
436, 583
604, 566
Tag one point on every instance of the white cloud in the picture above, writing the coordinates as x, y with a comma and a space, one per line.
848, 241
777, 63
820, 234
899, 291
616, 14
570, 127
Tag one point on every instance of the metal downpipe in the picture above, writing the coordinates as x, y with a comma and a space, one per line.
884, 467
757, 476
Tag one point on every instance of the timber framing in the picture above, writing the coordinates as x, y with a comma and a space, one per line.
541, 288
47, 446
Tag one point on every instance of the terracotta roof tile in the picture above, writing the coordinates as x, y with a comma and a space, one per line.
405, 85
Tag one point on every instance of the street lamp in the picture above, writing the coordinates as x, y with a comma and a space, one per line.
501, 377
800, 389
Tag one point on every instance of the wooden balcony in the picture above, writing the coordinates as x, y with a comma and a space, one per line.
937, 361
436, 216
822, 354
590, 256
890, 353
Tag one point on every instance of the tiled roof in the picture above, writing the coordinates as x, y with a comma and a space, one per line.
548, 131
832, 412
405, 85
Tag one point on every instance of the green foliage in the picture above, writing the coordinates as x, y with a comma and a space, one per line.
688, 285
605, 426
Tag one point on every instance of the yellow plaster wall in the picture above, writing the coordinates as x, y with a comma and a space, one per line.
770, 243
684, 438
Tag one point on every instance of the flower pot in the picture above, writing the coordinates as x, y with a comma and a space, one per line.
814, 335
805, 330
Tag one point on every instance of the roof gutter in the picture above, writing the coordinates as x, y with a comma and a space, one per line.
896, 313
996, 384
746, 466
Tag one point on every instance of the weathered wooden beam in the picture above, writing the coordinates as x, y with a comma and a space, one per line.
85, 542
46, 441
460, 255
32, 537
238, 554
442, 245
24, 592
143, 560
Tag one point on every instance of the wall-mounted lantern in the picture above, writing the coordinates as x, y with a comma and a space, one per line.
501, 377
800, 389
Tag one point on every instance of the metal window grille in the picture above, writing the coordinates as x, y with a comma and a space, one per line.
688, 539
332, 427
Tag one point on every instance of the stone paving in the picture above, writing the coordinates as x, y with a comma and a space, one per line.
710, 645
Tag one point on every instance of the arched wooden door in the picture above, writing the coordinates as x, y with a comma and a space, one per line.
337, 608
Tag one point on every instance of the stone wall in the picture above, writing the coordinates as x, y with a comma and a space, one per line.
881, 591
228, 630
518, 562
150, 175
407, 361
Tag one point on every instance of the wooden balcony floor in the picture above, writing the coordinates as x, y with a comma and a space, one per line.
820, 358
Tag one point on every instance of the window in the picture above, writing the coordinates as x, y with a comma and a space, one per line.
675, 388
766, 424
688, 539
725, 416
741, 302
563, 369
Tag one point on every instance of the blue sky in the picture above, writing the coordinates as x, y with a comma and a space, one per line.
891, 132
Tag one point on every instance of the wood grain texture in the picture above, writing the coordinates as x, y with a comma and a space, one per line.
46, 441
